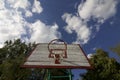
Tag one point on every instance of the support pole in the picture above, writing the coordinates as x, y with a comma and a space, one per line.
68, 75
49, 75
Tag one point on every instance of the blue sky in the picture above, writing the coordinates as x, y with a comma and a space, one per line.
91, 23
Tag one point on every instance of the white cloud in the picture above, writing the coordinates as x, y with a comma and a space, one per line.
13, 25
105, 10
76, 24
86, 9
2, 4
98, 10
37, 7
19, 4
43, 33
89, 56
28, 13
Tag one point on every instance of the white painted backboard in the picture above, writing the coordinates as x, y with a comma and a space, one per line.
39, 58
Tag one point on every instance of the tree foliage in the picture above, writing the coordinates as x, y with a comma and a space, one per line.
104, 68
116, 49
12, 56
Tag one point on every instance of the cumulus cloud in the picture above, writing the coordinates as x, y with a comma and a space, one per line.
89, 56
85, 9
43, 33
98, 10
11, 21
13, 25
36, 7
28, 14
75, 24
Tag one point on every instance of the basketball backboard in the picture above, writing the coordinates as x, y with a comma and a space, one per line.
57, 56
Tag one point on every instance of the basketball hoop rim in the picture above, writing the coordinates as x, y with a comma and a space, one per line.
57, 40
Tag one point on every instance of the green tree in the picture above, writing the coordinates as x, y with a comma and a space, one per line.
104, 68
116, 49
12, 55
